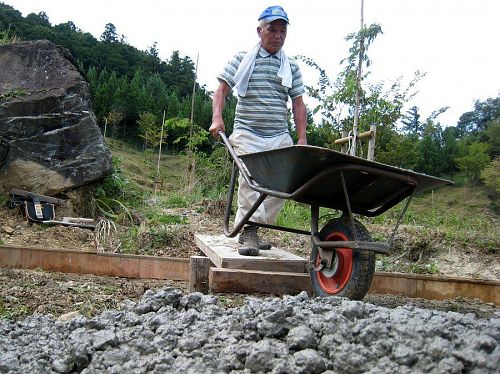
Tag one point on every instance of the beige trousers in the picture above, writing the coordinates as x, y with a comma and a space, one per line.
245, 142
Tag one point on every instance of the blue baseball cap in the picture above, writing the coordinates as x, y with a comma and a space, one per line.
273, 13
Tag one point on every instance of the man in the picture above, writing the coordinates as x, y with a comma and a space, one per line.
264, 79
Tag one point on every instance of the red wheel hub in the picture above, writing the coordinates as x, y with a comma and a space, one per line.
335, 283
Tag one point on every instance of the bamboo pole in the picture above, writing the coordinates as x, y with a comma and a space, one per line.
159, 155
191, 163
358, 84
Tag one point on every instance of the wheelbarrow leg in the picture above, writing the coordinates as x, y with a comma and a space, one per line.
348, 205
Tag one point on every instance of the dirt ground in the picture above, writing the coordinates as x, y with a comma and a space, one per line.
24, 292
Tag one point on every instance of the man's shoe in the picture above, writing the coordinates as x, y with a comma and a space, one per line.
250, 241
250, 238
248, 251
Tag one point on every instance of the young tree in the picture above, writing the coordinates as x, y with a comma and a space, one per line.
379, 105
109, 34
473, 160
430, 157
149, 130
450, 150
411, 122
113, 120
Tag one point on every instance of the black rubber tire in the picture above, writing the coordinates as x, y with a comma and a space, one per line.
363, 262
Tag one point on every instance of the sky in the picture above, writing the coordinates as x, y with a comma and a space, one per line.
455, 42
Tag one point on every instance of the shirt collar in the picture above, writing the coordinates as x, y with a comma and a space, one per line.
263, 53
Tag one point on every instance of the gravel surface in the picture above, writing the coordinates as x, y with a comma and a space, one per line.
169, 331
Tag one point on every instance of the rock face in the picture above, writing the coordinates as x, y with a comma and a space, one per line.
49, 138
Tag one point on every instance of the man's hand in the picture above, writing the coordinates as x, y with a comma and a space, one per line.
217, 125
302, 141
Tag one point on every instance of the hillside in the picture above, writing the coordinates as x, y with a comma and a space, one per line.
451, 231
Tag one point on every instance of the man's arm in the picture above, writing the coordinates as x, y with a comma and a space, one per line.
218, 102
300, 118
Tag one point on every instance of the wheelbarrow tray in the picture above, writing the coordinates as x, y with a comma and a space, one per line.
372, 187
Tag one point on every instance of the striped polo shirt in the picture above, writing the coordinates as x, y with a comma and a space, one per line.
263, 111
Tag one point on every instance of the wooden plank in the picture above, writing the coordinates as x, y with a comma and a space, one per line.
383, 285
107, 264
255, 281
198, 273
223, 252
433, 287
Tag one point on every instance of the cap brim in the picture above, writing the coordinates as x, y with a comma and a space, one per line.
274, 18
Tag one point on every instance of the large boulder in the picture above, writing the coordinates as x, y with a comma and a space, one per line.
49, 138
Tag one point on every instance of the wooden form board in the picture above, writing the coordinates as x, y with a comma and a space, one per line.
223, 252
109, 264
409, 285
435, 287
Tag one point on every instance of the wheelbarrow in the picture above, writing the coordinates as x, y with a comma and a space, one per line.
342, 259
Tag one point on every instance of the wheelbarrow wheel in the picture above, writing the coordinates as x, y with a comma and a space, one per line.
351, 272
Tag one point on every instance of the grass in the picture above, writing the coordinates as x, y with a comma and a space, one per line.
461, 214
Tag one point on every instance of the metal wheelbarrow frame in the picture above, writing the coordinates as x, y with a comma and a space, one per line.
329, 168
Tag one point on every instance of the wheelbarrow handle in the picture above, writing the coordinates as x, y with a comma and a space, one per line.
233, 154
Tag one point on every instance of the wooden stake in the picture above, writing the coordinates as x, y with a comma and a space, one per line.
358, 88
159, 155
198, 273
371, 143
191, 163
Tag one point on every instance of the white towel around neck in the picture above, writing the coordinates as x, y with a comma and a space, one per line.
247, 65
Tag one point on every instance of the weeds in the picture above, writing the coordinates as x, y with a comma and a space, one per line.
6, 38
105, 236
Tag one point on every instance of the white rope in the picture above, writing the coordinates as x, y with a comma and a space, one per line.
349, 141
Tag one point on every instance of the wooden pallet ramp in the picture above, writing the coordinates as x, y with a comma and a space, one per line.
223, 252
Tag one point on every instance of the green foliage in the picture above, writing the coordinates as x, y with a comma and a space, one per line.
109, 35
298, 215
115, 194
492, 134
476, 121
7, 38
4, 200
401, 151
112, 209
213, 173
491, 178
423, 268
185, 135
460, 215
12, 94
113, 120
473, 160
158, 218
175, 200
150, 130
